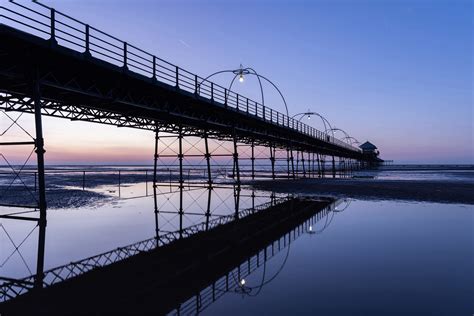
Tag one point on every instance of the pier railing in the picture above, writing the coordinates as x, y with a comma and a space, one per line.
61, 29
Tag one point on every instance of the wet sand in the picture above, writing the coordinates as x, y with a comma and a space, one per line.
369, 189
440, 191
56, 198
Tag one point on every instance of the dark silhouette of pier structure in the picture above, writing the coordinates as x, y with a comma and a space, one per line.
210, 262
54, 65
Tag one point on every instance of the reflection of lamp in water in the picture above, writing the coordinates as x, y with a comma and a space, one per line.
347, 201
242, 289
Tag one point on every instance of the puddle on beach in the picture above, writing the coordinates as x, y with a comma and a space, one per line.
376, 257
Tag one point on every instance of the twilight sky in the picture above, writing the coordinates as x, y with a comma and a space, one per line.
397, 73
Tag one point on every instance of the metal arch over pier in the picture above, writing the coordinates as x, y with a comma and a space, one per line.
54, 65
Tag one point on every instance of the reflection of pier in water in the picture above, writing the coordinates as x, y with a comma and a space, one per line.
234, 280
54, 277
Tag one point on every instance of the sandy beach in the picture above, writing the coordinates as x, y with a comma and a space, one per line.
369, 189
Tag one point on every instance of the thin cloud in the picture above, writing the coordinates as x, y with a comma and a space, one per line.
184, 43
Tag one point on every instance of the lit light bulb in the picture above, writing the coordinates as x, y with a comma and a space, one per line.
309, 117
242, 282
241, 77
310, 228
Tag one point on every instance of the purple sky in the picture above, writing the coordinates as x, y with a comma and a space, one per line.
397, 73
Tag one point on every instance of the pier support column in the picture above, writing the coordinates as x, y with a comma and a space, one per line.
252, 159
207, 155
237, 171
181, 181
208, 210
297, 164
333, 167
155, 184
302, 164
235, 155
272, 160
288, 162
292, 163
323, 165
319, 166
236, 200
39, 144
253, 199
309, 165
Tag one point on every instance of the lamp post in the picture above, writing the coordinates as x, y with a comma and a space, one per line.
240, 73
353, 140
327, 128
323, 119
350, 141
346, 136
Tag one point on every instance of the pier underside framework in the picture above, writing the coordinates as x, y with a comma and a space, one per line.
205, 135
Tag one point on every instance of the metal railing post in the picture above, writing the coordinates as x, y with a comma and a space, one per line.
177, 77
154, 68
212, 91
195, 84
53, 25
124, 54
87, 39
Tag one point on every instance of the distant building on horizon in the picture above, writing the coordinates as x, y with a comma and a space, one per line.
370, 149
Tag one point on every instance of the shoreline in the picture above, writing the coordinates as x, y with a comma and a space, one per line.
450, 192
436, 191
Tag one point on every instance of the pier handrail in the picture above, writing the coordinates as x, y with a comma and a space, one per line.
69, 32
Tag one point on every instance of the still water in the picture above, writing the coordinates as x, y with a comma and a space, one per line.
372, 258
375, 258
